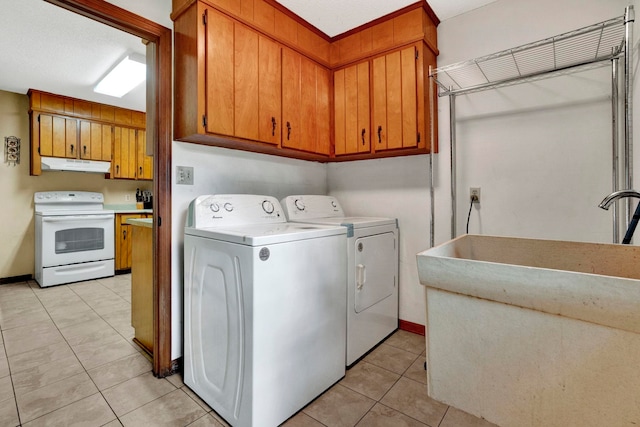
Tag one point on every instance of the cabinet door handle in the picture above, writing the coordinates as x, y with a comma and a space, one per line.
288, 130
273, 126
379, 134
71, 148
117, 168
124, 234
363, 133
140, 172
84, 147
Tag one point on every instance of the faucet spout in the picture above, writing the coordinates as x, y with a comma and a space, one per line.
616, 195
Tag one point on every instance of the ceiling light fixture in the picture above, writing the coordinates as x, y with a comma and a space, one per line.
122, 78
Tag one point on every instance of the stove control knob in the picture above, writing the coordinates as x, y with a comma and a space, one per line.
299, 204
214, 207
48, 196
228, 207
334, 204
268, 207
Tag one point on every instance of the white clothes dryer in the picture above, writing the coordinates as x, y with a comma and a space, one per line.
264, 308
372, 269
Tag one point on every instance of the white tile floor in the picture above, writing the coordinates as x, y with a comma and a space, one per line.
67, 359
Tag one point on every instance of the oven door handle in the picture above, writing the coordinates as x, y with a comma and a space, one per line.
75, 218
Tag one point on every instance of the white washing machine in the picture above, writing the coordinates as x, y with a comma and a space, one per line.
372, 269
264, 308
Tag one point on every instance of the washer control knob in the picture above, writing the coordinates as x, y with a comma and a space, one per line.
214, 207
228, 207
268, 207
299, 204
334, 204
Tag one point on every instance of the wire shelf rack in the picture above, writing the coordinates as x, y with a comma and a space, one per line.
588, 47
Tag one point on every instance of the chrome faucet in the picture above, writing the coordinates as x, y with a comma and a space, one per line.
616, 195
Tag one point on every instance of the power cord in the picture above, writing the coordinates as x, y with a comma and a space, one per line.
474, 199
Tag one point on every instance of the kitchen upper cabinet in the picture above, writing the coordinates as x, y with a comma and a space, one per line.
124, 153
129, 157
306, 113
144, 161
56, 136
78, 129
352, 109
95, 141
394, 106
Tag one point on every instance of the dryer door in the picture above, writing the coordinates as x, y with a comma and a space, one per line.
376, 258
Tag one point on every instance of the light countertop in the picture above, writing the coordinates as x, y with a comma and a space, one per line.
129, 208
141, 222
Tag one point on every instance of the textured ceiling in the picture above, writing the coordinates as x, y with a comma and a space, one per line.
48, 48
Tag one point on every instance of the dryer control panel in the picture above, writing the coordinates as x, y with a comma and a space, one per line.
225, 210
299, 208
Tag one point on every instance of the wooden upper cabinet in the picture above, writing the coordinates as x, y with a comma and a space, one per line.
352, 109
144, 162
247, 77
77, 129
95, 141
306, 111
57, 136
394, 106
219, 69
243, 73
269, 91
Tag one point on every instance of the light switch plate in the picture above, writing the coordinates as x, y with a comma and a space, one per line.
184, 175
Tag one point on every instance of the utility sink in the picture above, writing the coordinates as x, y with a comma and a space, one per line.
527, 332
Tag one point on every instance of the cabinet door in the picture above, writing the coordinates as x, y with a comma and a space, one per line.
219, 71
95, 141
291, 99
58, 136
351, 106
269, 91
246, 76
124, 152
144, 162
395, 100
305, 104
123, 240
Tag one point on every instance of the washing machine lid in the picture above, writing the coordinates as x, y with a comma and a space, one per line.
267, 234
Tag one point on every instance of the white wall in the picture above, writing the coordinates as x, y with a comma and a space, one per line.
541, 152
219, 171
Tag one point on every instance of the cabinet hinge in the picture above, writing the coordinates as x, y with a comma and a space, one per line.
204, 121
204, 18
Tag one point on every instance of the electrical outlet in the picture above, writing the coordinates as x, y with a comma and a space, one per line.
127, 197
184, 175
474, 194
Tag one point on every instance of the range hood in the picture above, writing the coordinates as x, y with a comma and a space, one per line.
59, 164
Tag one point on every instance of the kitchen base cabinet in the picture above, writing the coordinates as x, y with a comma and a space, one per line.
142, 284
123, 241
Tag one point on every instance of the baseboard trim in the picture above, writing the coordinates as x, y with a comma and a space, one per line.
15, 279
415, 328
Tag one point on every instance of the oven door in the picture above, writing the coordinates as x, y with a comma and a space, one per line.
71, 239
